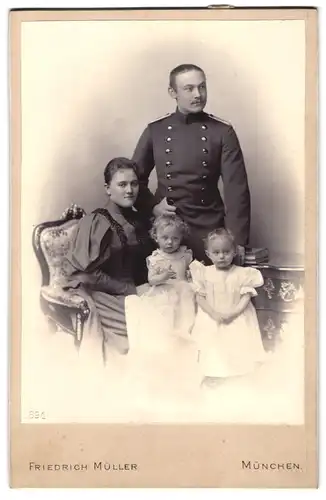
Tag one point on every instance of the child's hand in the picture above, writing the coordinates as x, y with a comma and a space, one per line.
164, 275
169, 274
199, 295
188, 275
223, 317
216, 317
226, 319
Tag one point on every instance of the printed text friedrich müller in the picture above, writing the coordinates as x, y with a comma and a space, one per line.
96, 466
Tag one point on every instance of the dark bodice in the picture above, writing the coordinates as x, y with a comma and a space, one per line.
109, 250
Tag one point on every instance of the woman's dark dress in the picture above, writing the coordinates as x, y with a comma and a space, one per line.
107, 261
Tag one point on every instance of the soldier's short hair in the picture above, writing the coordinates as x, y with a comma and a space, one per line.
182, 68
168, 220
119, 163
221, 232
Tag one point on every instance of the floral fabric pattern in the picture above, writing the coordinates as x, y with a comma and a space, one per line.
55, 243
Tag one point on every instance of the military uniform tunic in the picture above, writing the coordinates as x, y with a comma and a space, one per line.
190, 154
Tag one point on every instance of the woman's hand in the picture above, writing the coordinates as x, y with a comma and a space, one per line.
131, 289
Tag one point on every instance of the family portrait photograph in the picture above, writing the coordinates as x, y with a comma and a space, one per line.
165, 227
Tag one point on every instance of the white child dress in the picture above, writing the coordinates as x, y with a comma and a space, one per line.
173, 301
227, 349
162, 358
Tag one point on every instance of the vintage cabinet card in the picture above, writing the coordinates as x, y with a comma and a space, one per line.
206, 376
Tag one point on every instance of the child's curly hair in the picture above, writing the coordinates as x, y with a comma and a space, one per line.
220, 232
167, 220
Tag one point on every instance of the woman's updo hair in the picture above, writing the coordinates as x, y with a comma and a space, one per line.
221, 232
116, 164
168, 220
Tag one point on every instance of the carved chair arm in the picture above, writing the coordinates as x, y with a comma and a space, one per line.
56, 295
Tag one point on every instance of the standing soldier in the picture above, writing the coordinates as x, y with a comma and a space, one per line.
191, 150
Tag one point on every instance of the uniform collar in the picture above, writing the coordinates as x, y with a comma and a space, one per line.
191, 117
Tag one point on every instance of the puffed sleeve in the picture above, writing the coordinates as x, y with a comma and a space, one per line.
155, 263
92, 234
91, 245
236, 188
251, 279
197, 271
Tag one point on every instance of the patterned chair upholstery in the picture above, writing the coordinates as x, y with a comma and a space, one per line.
64, 310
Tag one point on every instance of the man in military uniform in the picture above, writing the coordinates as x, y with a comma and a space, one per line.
191, 150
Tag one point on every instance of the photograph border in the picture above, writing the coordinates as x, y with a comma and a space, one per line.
168, 455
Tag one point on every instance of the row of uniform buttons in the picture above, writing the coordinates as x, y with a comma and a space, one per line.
170, 189
168, 151
204, 127
171, 201
169, 163
169, 139
169, 176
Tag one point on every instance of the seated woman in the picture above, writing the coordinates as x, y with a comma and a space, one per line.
107, 260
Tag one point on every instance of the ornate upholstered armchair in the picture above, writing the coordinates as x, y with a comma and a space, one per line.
64, 310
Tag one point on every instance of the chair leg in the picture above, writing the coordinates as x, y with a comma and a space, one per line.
79, 330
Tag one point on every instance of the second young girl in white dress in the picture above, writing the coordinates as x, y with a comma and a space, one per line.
226, 328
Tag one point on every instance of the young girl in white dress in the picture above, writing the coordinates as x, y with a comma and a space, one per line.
163, 358
226, 328
168, 273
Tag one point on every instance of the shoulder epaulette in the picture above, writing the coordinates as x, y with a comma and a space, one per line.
218, 119
161, 118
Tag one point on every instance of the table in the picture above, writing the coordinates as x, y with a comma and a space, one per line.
281, 295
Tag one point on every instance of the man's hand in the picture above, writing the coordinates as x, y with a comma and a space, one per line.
163, 208
240, 255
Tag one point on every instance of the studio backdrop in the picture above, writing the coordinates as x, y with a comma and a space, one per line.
88, 90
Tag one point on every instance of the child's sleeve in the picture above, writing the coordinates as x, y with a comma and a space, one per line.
252, 279
154, 264
189, 256
197, 271
188, 259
